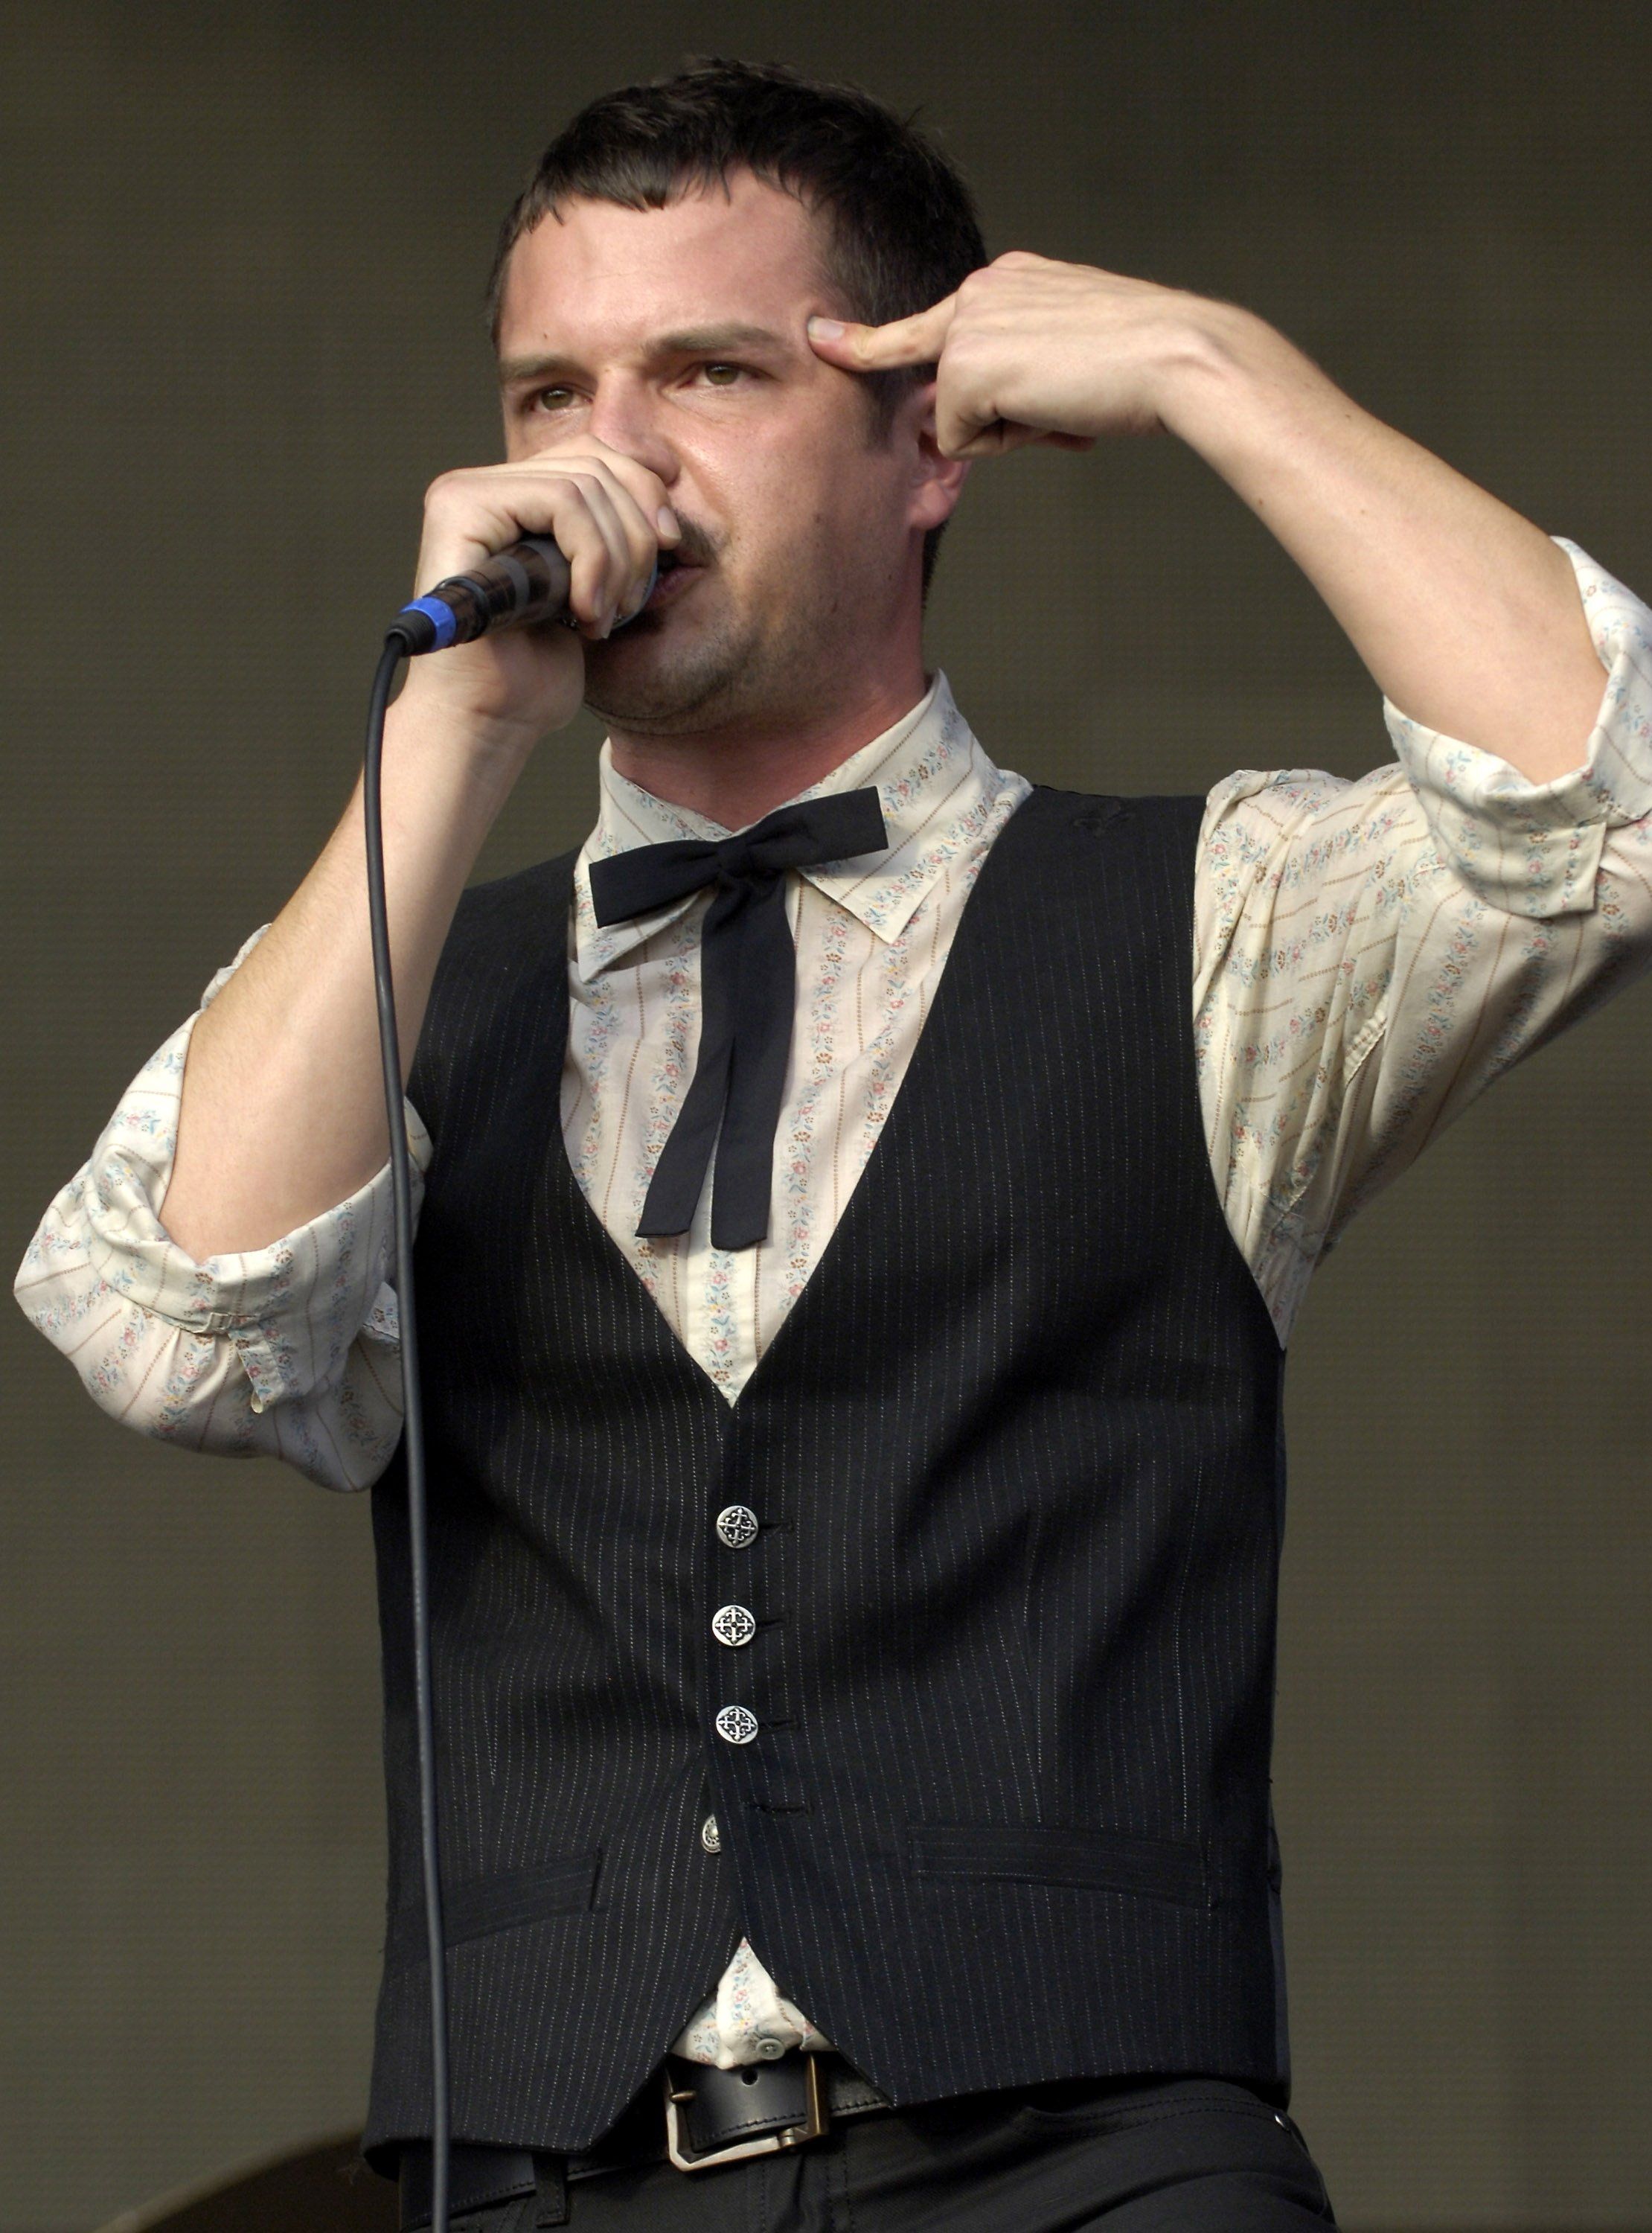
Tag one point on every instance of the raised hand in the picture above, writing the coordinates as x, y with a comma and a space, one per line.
1466, 615
1030, 350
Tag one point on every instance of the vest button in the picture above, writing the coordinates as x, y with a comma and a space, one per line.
771, 2048
737, 1724
710, 1836
733, 1624
738, 1526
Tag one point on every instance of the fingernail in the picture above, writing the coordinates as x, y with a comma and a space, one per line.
666, 521
827, 330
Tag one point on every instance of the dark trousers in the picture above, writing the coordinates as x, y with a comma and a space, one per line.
1188, 2155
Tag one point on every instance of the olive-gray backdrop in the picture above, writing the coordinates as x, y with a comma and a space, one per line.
245, 246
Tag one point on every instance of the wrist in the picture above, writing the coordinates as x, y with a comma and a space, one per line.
1225, 377
430, 727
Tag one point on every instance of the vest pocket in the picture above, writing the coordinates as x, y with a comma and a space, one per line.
502, 1903
1088, 1860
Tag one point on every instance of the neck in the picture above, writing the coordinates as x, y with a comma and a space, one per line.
736, 775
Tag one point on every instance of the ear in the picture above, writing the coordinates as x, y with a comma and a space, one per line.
937, 480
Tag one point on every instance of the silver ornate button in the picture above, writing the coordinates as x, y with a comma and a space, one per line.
733, 1624
737, 1724
738, 1526
710, 1836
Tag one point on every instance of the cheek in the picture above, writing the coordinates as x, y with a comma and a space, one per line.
757, 500
832, 496
778, 489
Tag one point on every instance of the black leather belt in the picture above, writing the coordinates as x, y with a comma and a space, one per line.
701, 2117
717, 2116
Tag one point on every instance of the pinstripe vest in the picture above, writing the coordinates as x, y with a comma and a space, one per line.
1014, 1455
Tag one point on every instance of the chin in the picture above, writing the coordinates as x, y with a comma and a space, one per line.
653, 679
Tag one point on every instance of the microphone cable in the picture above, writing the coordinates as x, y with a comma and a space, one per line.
396, 649
527, 583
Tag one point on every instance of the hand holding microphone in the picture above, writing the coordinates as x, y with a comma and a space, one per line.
570, 534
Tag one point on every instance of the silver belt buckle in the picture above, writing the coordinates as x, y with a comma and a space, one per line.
817, 2117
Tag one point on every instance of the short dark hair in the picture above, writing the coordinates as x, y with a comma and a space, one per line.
899, 225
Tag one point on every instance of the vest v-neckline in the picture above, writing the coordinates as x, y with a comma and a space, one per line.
928, 1054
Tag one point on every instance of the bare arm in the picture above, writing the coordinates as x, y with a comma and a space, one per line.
1466, 615
282, 1109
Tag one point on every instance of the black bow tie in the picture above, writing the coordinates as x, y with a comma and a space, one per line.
748, 992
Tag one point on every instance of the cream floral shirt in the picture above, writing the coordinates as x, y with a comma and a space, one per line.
1368, 956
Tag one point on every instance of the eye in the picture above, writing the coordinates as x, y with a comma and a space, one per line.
550, 399
723, 375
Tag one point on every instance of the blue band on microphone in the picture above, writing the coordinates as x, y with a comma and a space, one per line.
440, 617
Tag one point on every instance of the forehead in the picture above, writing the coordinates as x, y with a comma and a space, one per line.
599, 274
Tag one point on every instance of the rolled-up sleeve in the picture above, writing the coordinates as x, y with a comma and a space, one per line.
1537, 849
1371, 954
290, 1351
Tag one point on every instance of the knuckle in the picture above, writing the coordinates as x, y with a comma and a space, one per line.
620, 475
586, 503
445, 491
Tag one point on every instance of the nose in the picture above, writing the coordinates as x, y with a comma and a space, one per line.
625, 414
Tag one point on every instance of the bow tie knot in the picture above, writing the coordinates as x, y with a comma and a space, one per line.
748, 993
737, 864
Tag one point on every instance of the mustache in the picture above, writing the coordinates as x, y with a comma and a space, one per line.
696, 546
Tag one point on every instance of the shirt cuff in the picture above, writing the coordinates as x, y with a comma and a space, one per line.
290, 1310
1534, 849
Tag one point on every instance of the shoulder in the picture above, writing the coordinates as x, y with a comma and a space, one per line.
1091, 812
1145, 828
1271, 838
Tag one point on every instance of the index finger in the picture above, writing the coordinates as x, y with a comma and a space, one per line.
917, 339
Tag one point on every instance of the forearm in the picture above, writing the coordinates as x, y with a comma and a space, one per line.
1466, 614
282, 1110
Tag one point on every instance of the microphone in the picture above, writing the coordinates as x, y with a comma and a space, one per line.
529, 582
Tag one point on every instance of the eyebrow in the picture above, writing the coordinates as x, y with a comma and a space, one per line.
695, 341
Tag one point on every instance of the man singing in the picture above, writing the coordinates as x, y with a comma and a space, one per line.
866, 1199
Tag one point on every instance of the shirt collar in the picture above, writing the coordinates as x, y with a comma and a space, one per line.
934, 784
